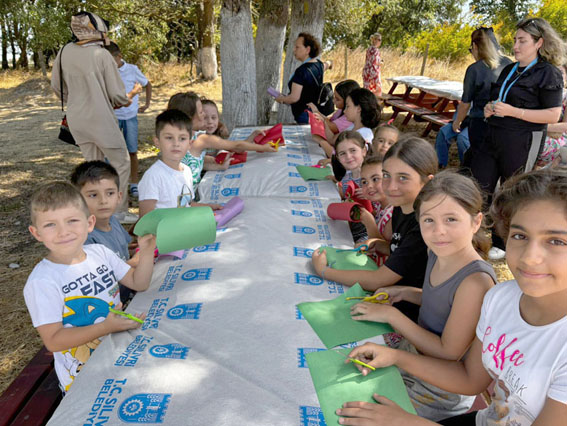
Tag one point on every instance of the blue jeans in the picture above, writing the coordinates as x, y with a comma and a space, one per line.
130, 129
444, 139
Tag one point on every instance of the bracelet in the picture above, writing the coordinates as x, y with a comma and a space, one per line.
522, 115
323, 272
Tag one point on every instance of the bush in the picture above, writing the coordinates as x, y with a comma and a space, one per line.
445, 41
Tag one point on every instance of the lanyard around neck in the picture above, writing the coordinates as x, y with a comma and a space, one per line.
503, 90
304, 62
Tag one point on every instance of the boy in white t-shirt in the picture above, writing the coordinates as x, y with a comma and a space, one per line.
168, 182
68, 294
128, 116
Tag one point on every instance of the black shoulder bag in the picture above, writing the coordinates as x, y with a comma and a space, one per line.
64, 131
324, 101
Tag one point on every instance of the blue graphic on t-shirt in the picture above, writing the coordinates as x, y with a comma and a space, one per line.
144, 408
303, 230
233, 176
207, 247
293, 174
301, 352
302, 252
84, 311
201, 274
294, 189
301, 213
185, 311
311, 416
227, 192
309, 279
299, 201
171, 350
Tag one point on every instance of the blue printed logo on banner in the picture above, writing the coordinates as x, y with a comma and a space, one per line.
171, 350
301, 213
303, 230
185, 311
324, 232
320, 216
104, 402
311, 416
144, 408
302, 252
301, 278
299, 201
293, 156
233, 176
170, 278
335, 288
295, 149
293, 174
227, 192
201, 274
236, 166
130, 356
207, 247
155, 313
293, 164
317, 203
301, 352
298, 314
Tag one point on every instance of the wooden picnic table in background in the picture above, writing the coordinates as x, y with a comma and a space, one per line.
424, 99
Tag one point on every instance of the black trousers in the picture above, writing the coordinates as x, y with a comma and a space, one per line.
478, 129
504, 153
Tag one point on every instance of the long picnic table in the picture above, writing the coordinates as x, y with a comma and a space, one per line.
223, 342
434, 102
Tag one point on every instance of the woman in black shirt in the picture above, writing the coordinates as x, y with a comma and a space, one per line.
526, 97
306, 81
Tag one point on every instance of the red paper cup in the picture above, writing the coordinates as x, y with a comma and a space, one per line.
344, 211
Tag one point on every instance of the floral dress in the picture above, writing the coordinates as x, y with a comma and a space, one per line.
371, 71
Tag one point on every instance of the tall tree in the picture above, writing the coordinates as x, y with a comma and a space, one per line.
4, 43
238, 64
514, 9
306, 16
270, 37
208, 51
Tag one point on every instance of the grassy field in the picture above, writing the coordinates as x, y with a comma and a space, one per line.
29, 119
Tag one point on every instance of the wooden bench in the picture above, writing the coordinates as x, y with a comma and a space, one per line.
34, 395
435, 122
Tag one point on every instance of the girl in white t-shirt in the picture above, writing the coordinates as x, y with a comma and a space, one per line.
521, 334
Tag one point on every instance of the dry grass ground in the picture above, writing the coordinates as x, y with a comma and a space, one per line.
31, 154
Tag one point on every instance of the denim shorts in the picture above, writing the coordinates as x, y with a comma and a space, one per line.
130, 129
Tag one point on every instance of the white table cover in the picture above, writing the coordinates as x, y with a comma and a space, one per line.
452, 90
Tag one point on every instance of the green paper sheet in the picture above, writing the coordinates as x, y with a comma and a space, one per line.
179, 228
348, 260
314, 173
331, 320
336, 383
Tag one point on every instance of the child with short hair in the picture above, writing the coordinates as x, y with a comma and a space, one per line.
449, 210
385, 136
190, 104
169, 182
128, 116
68, 294
98, 183
521, 333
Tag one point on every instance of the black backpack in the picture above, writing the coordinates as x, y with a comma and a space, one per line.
324, 101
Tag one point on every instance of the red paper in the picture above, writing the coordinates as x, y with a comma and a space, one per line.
272, 135
350, 193
236, 158
344, 211
317, 126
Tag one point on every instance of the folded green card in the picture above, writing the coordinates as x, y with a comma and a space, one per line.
332, 322
337, 383
314, 173
179, 228
348, 260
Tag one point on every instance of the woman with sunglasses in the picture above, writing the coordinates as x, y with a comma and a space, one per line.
526, 97
476, 87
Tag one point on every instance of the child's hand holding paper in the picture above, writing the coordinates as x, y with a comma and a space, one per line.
377, 356
386, 412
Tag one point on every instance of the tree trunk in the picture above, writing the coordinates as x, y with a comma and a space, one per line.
4, 44
208, 53
12, 45
238, 64
306, 16
270, 37
200, 12
42, 63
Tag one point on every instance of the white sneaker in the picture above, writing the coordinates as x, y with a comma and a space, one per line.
126, 217
496, 254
